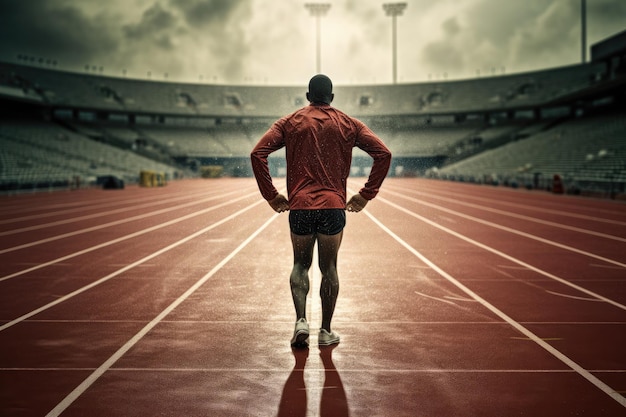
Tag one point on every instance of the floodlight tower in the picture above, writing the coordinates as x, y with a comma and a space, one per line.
394, 10
318, 10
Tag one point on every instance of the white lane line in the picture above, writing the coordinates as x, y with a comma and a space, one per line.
519, 216
346, 370
435, 298
558, 294
464, 299
79, 390
533, 208
125, 237
127, 267
510, 230
110, 224
520, 328
112, 212
94, 206
502, 254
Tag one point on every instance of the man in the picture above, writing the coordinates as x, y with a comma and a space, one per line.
318, 140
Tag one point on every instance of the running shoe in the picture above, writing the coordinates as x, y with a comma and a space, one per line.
300, 333
326, 339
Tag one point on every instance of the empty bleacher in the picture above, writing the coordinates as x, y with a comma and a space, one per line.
584, 149
40, 152
501, 127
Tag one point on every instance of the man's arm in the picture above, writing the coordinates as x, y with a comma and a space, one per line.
271, 141
370, 143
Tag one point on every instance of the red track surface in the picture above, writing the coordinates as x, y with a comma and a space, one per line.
455, 300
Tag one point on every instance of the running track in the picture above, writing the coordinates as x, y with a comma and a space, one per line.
455, 300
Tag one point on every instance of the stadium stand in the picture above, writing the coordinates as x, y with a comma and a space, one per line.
589, 149
63, 128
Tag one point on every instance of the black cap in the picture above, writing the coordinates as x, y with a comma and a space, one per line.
320, 89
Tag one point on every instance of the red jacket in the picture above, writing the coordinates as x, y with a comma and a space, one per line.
319, 140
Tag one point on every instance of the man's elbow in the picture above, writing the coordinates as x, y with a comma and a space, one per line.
255, 156
386, 157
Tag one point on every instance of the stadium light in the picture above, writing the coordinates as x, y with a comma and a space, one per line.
394, 10
318, 10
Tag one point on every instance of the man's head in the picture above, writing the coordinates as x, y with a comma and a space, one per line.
320, 90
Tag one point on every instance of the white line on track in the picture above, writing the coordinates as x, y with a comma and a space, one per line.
115, 211
515, 215
503, 255
508, 229
520, 328
80, 389
126, 237
127, 267
113, 223
345, 370
540, 209
95, 206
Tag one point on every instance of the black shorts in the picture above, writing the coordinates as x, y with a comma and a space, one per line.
308, 222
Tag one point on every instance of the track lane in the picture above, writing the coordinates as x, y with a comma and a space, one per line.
547, 255
607, 228
412, 343
459, 259
31, 238
108, 235
48, 213
112, 257
561, 207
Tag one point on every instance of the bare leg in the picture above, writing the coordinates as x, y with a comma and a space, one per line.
299, 278
328, 246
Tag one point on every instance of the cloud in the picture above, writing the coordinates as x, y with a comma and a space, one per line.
155, 21
208, 13
50, 30
236, 40
488, 37
551, 38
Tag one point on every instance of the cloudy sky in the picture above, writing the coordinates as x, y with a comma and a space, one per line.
273, 42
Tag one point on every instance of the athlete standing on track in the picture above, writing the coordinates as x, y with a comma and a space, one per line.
318, 140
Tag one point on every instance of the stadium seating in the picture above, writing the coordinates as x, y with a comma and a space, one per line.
45, 153
579, 150
517, 129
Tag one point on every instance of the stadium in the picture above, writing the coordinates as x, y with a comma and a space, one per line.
143, 274
60, 129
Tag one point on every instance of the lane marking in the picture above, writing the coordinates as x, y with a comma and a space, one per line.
464, 299
435, 298
346, 370
113, 223
508, 229
125, 237
433, 193
98, 206
520, 328
112, 212
412, 323
502, 254
573, 297
127, 267
80, 389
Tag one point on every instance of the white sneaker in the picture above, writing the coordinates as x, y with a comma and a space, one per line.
301, 333
326, 339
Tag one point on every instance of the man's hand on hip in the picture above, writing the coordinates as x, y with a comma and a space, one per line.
279, 203
356, 203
